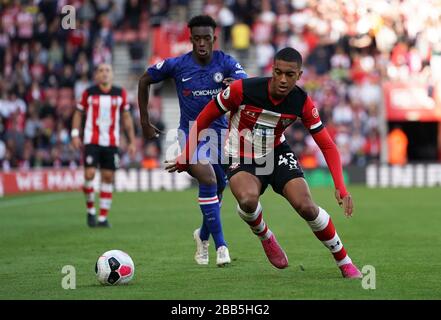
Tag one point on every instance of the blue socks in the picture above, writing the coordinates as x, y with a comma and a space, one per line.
209, 203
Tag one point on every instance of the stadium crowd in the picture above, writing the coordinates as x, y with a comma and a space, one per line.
349, 48
45, 68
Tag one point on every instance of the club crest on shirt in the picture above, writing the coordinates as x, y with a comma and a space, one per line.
315, 113
218, 77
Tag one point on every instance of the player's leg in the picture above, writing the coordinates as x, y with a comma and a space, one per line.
90, 162
109, 163
221, 180
247, 188
296, 191
106, 193
209, 205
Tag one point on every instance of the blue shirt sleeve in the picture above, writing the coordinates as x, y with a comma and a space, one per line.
162, 70
235, 69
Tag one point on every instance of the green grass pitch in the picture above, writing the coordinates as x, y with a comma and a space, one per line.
397, 231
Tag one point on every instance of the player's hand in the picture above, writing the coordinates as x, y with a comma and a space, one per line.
150, 131
228, 81
345, 202
76, 143
132, 150
179, 165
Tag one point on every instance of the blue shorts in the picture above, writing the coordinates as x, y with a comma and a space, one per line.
210, 150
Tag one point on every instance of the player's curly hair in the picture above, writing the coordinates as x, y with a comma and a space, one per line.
290, 55
202, 21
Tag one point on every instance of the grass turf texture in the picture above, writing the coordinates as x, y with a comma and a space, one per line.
394, 230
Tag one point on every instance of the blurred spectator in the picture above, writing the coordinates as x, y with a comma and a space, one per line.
133, 13
241, 37
151, 156
349, 47
397, 145
226, 21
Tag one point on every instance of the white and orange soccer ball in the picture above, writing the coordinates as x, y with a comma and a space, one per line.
114, 267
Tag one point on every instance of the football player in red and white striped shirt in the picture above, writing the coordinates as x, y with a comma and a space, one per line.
261, 109
104, 106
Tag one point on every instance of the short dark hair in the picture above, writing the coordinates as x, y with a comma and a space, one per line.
289, 54
202, 21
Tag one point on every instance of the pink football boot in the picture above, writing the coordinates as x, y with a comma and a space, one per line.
350, 271
275, 253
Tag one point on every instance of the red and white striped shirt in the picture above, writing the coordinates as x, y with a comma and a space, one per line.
103, 114
257, 122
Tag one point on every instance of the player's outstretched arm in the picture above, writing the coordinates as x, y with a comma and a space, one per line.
210, 113
148, 129
332, 157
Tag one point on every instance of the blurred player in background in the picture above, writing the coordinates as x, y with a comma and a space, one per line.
266, 107
103, 105
199, 75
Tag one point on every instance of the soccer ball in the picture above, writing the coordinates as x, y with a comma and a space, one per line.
114, 267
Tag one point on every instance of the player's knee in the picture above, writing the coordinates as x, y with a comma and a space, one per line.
308, 210
248, 201
89, 174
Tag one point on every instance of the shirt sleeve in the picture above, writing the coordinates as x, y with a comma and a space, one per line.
310, 117
82, 104
332, 157
235, 69
230, 98
162, 70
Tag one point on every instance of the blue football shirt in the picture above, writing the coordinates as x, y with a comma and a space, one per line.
196, 85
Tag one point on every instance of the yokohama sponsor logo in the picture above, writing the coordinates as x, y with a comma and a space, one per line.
199, 93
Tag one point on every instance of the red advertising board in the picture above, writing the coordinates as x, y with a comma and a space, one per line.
41, 180
51, 180
412, 101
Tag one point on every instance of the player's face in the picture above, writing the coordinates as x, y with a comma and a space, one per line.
104, 74
202, 39
285, 76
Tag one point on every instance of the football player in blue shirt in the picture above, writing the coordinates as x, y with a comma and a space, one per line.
199, 76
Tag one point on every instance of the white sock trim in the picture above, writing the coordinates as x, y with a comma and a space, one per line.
249, 216
319, 223
343, 261
88, 184
106, 187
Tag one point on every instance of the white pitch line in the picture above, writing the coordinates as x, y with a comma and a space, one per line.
23, 201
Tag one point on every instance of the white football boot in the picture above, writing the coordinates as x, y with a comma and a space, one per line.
201, 255
223, 256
